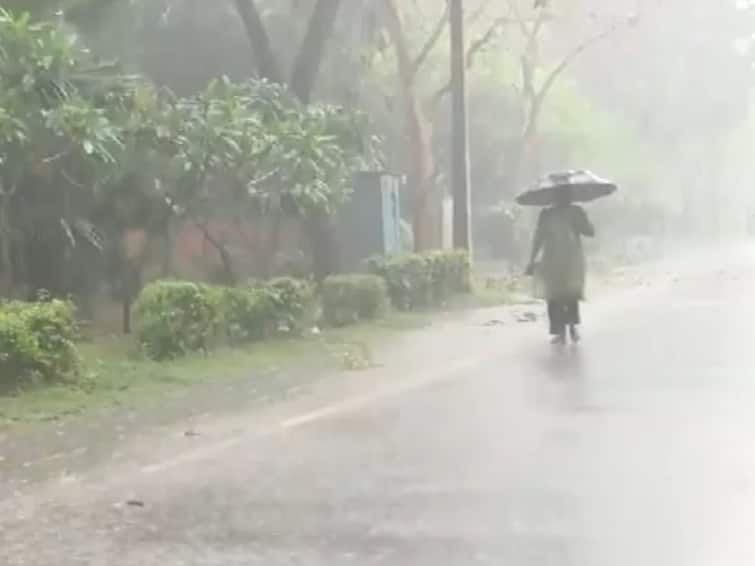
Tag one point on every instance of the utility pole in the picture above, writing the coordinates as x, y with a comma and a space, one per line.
462, 236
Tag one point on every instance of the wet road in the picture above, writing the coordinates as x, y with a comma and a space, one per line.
634, 449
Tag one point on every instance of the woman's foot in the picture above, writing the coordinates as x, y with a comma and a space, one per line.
559, 339
574, 334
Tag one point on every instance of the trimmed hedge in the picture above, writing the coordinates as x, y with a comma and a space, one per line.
248, 314
418, 281
347, 299
37, 342
295, 302
178, 317
408, 279
451, 274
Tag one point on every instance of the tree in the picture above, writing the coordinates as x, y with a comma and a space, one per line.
301, 82
685, 87
419, 136
419, 107
310, 54
95, 165
537, 78
253, 149
58, 135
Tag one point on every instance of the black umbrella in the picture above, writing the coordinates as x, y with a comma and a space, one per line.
583, 186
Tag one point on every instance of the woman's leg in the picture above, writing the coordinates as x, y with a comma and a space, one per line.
556, 318
552, 316
573, 319
572, 313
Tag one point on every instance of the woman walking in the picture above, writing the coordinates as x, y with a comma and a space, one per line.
558, 243
559, 233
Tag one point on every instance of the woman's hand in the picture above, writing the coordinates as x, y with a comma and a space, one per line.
582, 224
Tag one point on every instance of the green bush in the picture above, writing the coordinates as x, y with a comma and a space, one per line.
451, 274
37, 342
177, 317
263, 309
347, 299
422, 280
408, 277
248, 314
294, 302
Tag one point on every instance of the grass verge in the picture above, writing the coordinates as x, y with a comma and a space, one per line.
116, 376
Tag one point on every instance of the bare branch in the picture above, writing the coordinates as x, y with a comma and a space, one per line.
573, 54
538, 96
68, 177
254, 183
440, 28
484, 40
514, 7
431, 42
56, 157
395, 27
476, 46
479, 12
531, 52
528, 76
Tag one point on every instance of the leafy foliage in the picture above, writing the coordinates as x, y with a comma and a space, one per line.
294, 301
270, 152
87, 153
347, 299
451, 273
248, 313
409, 279
37, 342
62, 138
418, 281
177, 318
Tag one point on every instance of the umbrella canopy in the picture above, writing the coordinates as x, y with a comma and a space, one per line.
583, 186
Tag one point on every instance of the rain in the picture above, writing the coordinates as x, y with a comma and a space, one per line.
376, 282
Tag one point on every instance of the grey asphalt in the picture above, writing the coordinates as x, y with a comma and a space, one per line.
475, 444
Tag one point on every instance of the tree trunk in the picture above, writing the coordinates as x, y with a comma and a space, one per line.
229, 273
272, 246
312, 50
522, 159
127, 303
167, 252
524, 152
418, 134
267, 65
303, 77
302, 82
325, 251
7, 276
132, 285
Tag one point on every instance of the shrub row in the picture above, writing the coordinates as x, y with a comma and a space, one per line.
410, 281
347, 299
418, 281
178, 317
37, 342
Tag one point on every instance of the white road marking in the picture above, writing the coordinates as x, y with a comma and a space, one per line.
332, 411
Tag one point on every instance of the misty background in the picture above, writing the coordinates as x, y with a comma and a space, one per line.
654, 94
